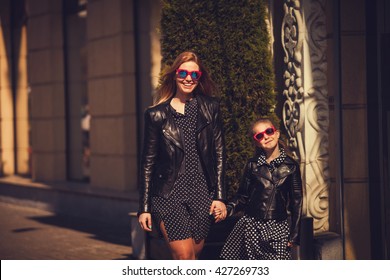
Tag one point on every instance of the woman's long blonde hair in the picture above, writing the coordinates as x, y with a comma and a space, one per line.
167, 86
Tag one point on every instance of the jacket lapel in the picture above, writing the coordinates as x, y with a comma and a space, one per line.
203, 114
265, 173
202, 122
170, 129
283, 171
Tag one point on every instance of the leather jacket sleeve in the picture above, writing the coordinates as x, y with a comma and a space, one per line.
295, 206
220, 191
241, 198
148, 162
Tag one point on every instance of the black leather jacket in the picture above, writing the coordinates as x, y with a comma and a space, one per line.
271, 196
163, 151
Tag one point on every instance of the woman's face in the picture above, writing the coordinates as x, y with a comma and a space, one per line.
268, 136
187, 85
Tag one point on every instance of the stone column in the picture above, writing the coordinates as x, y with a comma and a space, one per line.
6, 98
46, 80
356, 130
111, 94
23, 164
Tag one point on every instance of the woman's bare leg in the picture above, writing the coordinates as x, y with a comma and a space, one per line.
186, 249
198, 246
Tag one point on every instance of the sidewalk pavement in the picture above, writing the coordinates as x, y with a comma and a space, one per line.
34, 234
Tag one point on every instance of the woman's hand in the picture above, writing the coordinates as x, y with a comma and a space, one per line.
145, 221
218, 210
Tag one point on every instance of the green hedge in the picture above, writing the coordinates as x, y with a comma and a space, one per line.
231, 37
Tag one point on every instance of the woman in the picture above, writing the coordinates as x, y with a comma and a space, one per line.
270, 190
182, 165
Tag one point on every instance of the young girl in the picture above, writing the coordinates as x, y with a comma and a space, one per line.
270, 190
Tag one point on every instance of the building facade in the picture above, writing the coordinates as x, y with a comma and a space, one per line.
76, 76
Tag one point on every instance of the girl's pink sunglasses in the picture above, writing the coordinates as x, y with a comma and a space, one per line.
260, 135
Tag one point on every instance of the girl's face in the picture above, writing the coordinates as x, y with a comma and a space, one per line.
267, 136
187, 77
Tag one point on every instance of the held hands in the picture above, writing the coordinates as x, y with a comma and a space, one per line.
218, 210
145, 221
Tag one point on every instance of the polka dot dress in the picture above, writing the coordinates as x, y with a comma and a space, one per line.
254, 239
274, 163
257, 239
185, 213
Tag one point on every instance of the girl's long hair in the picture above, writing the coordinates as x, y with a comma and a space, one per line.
167, 85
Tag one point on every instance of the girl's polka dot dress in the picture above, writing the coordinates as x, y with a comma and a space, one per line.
256, 239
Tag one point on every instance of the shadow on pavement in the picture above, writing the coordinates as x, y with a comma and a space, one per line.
119, 235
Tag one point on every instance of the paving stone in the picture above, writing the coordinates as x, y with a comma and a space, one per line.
33, 234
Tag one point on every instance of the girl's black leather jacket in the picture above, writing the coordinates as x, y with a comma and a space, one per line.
271, 196
162, 158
